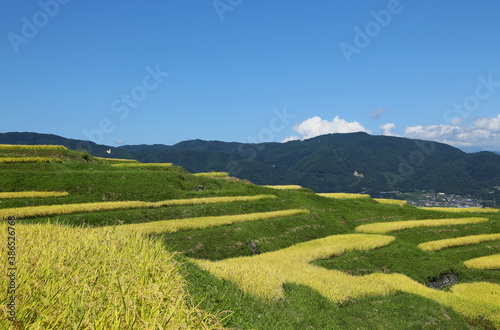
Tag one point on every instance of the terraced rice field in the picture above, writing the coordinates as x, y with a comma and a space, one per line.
487, 262
264, 275
175, 225
127, 164
284, 187
213, 174
388, 227
133, 282
97, 279
19, 160
344, 195
459, 241
391, 201
51, 210
117, 159
33, 194
17, 147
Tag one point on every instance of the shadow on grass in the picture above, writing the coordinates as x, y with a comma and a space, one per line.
304, 308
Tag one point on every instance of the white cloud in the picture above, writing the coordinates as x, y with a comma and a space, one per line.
484, 133
430, 132
316, 126
491, 124
376, 114
387, 129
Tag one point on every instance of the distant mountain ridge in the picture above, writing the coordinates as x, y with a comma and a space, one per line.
353, 162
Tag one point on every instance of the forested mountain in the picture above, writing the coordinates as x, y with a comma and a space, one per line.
354, 162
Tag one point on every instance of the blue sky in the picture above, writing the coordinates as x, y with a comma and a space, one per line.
133, 72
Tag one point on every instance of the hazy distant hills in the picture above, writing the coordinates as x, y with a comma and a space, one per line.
352, 162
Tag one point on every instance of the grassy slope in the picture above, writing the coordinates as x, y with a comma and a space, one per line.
303, 307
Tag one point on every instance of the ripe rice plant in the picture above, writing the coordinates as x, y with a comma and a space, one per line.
462, 209
388, 227
285, 187
263, 276
143, 164
18, 160
172, 226
391, 201
344, 195
31, 147
75, 278
489, 293
32, 194
211, 200
50, 210
213, 174
117, 159
487, 262
452, 242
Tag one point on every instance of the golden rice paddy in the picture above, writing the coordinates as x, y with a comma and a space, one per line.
452, 242
143, 164
116, 159
75, 278
284, 187
31, 147
344, 195
213, 174
19, 160
391, 201
50, 210
388, 227
175, 225
32, 194
487, 262
263, 276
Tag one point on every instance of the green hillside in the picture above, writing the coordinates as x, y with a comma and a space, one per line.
150, 246
355, 162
